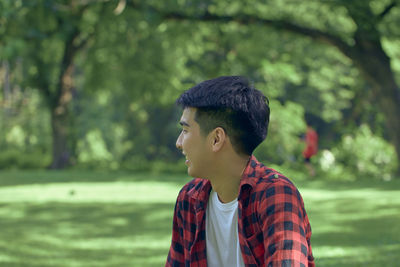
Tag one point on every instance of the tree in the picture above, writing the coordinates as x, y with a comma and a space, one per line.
102, 64
52, 34
70, 46
366, 25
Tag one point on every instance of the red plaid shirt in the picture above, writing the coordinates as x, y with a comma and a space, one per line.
273, 225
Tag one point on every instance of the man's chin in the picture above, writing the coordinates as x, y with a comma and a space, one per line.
191, 172
195, 174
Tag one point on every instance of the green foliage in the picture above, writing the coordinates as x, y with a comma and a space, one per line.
392, 46
17, 159
361, 155
135, 64
24, 132
283, 142
138, 164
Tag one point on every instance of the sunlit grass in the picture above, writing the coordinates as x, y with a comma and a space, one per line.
357, 225
83, 219
74, 218
115, 192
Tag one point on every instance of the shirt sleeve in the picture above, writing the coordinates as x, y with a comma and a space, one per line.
176, 251
285, 227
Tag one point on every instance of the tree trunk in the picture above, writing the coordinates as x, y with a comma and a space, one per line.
60, 131
6, 88
375, 66
60, 121
60, 104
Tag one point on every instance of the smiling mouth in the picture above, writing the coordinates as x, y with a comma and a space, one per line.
186, 159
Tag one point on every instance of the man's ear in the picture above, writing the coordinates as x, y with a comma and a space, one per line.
217, 139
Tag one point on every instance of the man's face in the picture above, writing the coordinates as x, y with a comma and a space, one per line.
193, 145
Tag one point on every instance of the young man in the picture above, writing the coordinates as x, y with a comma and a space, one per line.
239, 212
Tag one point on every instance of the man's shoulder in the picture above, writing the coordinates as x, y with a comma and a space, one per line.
264, 177
273, 184
273, 179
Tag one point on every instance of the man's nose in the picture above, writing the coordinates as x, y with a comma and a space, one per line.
179, 142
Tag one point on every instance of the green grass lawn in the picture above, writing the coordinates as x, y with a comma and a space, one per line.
75, 218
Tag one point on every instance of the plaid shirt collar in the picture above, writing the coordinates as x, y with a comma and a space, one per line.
202, 191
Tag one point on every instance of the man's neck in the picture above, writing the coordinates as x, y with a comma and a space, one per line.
226, 182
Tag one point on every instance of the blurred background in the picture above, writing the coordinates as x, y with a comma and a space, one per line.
89, 171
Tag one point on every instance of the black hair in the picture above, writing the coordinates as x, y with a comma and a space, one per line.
231, 103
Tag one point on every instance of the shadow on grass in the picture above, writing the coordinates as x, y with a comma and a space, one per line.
364, 242
59, 234
21, 177
356, 232
350, 185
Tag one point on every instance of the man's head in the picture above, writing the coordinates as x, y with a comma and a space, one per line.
231, 103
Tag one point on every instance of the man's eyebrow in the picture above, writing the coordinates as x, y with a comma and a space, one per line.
183, 123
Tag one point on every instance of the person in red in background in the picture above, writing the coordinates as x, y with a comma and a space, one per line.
311, 148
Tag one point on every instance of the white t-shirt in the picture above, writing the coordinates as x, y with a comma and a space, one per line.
222, 238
